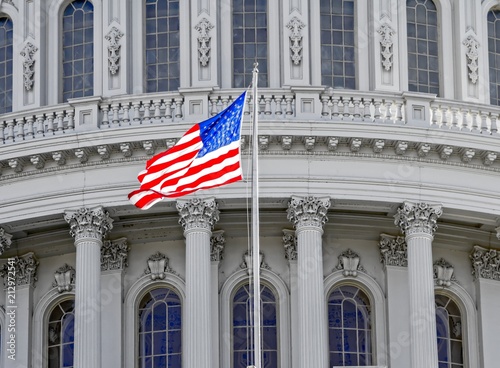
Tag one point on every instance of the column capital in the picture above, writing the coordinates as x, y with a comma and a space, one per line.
290, 244
114, 254
198, 213
88, 222
308, 211
217, 242
5, 240
418, 218
393, 250
24, 269
485, 263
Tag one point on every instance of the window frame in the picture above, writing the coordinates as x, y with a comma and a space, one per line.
9, 11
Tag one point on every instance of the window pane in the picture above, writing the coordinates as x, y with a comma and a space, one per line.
5, 65
449, 331
60, 335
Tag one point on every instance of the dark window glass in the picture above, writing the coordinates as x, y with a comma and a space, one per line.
449, 333
78, 49
494, 55
60, 335
160, 322
422, 39
249, 41
6, 34
349, 327
162, 68
337, 43
243, 352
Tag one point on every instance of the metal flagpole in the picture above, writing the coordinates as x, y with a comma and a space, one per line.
255, 224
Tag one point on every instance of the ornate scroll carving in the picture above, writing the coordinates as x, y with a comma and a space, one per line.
485, 263
114, 255
295, 25
308, 211
25, 269
393, 250
203, 27
89, 223
386, 41
28, 53
247, 262
113, 37
5, 241
197, 213
414, 218
443, 273
64, 278
290, 244
349, 263
217, 242
158, 266
472, 54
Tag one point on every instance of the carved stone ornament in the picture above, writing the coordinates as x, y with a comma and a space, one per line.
89, 222
114, 255
28, 53
158, 266
113, 37
485, 263
248, 262
290, 244
25, 268
349, 263
443, 273
386, 41
308, 211
295, 25
64, 278
415, 218
197, 213
5, 241
217, 242
393, 250
203, 27
11, 2
472, 54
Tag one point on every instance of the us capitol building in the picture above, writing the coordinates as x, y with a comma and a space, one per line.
379, 184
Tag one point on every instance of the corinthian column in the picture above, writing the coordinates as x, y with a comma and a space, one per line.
88, 227
418, 222
308, 215
197, 218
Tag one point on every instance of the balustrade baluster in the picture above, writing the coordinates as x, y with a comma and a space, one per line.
289, 108
346, 113
20, 128
267, 108
71, 120
168, 109
50, 123
474, 125
2, 133
388, 113
213, 111
10, 129
455, 119
399, 113
356, 113
464, 123
126, 113
325, 110
335, 107
60, 121
178, 107
493, 127
29, 130
137, 112
434, 120
105, 116
40, 121
225, 100
367, 114
116, 116
147, 112
157, 116
484, 123
278, 110
376, 115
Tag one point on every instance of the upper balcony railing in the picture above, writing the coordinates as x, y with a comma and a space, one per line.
346, 106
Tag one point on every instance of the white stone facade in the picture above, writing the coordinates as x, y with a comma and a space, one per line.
392, 192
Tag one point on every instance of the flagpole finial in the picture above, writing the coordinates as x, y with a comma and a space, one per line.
255, 65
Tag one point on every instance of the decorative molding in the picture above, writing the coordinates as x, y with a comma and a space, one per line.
11, 2
295, 25
217, 242
89, 222
198, 213
25, 268
28, 53
393, 250
290, 244
416, 218
386, 41
114, 254
472, 54
485, 263
308, 211
64, 278
443, 273
5, 240
158, 266
247, 263
113, 36
203, 27
349, 263
264, 142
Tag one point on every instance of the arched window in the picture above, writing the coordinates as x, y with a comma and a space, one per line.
160, 325
338, 68
249, 41
61, 339
78, 49
349, 327
243, 328
449, 333
6, 30
494, 55
423, 54
162, 45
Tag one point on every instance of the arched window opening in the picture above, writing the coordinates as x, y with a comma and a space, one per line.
250, 37
160, 323
243, 351
494, 55
6, 37
349, 327
423, 49
449, 333
60, 335
78, 50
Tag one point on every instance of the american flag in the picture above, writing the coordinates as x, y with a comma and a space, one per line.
207, 156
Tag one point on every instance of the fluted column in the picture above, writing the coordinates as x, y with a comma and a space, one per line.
217, 242
290, 244
88, 227
308, 214
197, 218
418, 222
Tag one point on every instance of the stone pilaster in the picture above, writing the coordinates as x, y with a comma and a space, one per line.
418, 222
88, 226
309, 214
217, 242
197, 218
290, 245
